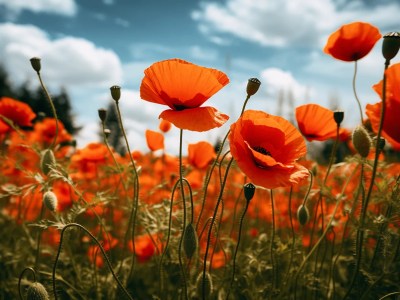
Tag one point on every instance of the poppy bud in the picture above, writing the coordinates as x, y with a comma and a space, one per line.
37, 291
390, 45
35, 62
102, 114
338, 117
249, 190
252, 86
208, 286
50, 201
361, 141
47, 160
190, 241
115, 92
303, 214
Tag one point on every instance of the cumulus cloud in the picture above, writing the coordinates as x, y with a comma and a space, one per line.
65, 62
61, 7
286, 22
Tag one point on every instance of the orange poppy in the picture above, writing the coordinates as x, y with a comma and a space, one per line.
200, 154
45, 131
352, 41
316, 123
266, 149
155, 140
164, 126
391, 128
184, 87
16, 111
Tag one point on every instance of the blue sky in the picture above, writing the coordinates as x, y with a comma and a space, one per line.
89, 45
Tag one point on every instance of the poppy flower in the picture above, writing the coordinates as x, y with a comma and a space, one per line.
155, 140
266, 149
164, 126
200, 154
316, 123
391, 128
184, 87
352, 41
16, 111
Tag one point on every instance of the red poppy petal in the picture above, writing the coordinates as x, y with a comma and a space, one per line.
195, 119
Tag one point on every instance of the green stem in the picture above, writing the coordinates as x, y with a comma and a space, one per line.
20, 279
101, 249
237, 248
272, 257
355, 92
53, 109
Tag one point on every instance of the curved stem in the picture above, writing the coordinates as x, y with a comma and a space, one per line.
20, 279
101, 249
355, 92
212, 225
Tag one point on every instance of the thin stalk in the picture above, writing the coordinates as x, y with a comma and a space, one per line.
102, 251
355, 92
272, 257
53, 109
20, 279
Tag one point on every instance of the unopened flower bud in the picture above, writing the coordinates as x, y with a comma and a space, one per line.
102, 114
303, 214
252, 86
37, 291
338, 117
35, 62
50, 201
47, 161
115, 92
208, 286
361, 141
249, 190
190, 241
390, 45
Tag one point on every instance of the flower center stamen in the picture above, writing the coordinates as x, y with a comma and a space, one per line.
262, 150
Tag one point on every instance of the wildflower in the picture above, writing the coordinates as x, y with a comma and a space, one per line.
352, 41
266, 149
391, 128
201, 154
19, 113
164, 126
184, 87
317, 123
155, 140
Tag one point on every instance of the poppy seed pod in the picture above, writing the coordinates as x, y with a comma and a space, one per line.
37, 291
252, 86
107, 132
338, 116
390, 45
35, 62
102, 114
208, 286
190, 241
115, 92
249, 190
50, 201
361, 141
47, 160
303, 214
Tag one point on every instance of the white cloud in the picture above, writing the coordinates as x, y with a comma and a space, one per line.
60, 7
67, 61
286, 22
202, 53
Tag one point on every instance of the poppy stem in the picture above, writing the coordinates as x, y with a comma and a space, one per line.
237, 248
103, 252
53, 109
272, 256
20, 279
132, 217
355, 91
184, 215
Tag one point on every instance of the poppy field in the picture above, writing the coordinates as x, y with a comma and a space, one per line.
253, 217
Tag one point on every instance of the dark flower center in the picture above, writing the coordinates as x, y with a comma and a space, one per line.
262, 150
